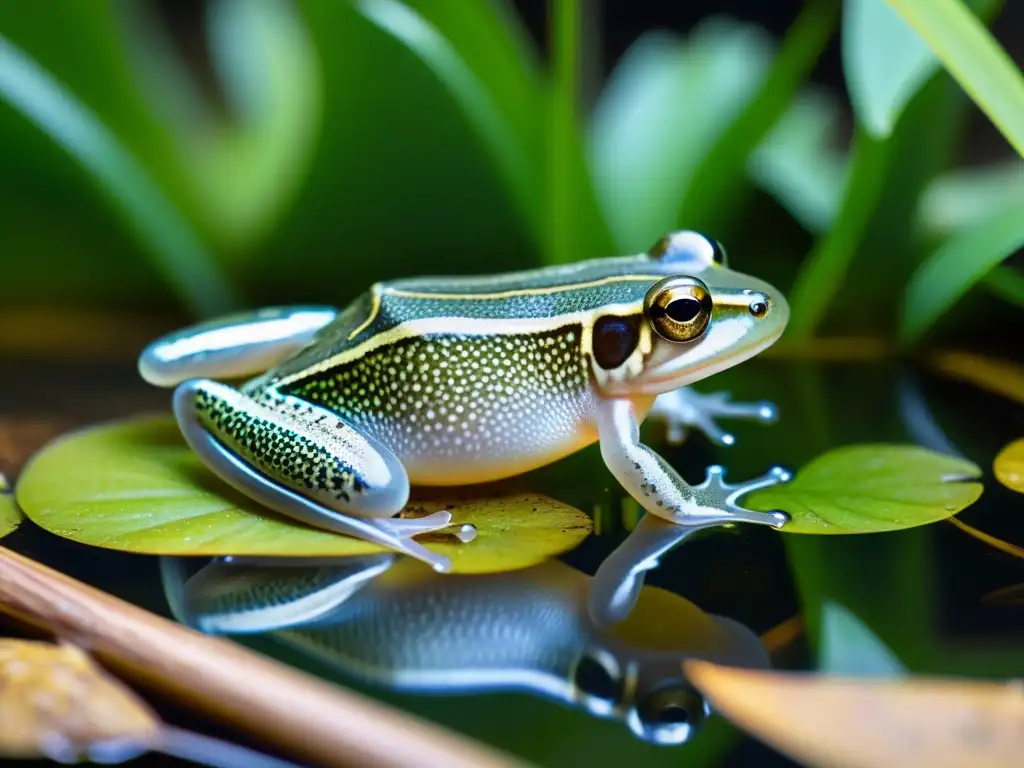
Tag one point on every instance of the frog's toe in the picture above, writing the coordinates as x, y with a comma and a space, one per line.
684, 408
715, 493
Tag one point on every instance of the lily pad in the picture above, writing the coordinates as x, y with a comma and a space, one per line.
1009, 466
10, 515
872, 488
136, 486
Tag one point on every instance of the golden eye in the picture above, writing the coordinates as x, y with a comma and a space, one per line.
679, 308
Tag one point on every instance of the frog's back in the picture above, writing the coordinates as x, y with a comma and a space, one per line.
543, 294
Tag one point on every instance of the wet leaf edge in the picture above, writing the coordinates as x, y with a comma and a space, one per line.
970, 471
576, 526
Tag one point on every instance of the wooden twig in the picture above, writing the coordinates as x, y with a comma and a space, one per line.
304, 716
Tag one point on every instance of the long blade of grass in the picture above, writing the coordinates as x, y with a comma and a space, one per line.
479, 106
824, 268
973, 58
724, 166
176, 251
957, 265
567, 33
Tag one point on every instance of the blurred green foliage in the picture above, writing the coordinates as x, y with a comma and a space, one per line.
337, 143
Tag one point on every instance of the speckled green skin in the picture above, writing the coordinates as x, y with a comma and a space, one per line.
461, 402
459, 379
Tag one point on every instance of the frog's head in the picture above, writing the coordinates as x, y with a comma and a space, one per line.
700, 318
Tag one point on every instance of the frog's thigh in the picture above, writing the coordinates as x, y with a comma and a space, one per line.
235, 346
299, 445
303, 462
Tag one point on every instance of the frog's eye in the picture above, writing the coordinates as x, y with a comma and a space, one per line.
615, 338
679, 308
689, 247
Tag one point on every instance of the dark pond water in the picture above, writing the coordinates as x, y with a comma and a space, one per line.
430, 645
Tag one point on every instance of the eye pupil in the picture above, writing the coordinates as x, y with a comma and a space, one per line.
683, 310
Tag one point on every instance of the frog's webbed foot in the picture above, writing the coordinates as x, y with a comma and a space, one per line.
715, 493
684, 408
222, 425
659, 489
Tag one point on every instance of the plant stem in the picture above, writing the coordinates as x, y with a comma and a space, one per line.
566, 37
823, 270
974, 58
304, 716
724, 166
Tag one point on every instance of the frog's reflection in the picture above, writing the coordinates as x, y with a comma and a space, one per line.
391, 622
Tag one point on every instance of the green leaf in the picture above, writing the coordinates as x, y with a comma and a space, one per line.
517, 169
169, 239
576, 226
822, 272
872, 488
245, 167
849, 648
965, 197
10, 515
710, 198
136, 486
952, 269
663, 109
1009, 466
798, 165
885, 63
974, 58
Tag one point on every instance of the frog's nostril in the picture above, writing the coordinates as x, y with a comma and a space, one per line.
758, 307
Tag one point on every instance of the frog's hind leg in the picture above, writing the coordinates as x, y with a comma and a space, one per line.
235, 346
683, 408
304, 462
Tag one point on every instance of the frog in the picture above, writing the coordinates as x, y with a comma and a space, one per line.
329, 416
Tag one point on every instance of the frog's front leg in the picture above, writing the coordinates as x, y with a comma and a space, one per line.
683, 408
304, 462
659, 489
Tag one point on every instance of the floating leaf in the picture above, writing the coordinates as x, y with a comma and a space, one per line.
56, 703
917, 721
1009, 466
10, 515
872, 488
136, 486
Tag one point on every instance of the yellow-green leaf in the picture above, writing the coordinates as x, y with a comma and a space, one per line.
817, 719
1009, 466
56, 703
10, 515
872, 488
136, 486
